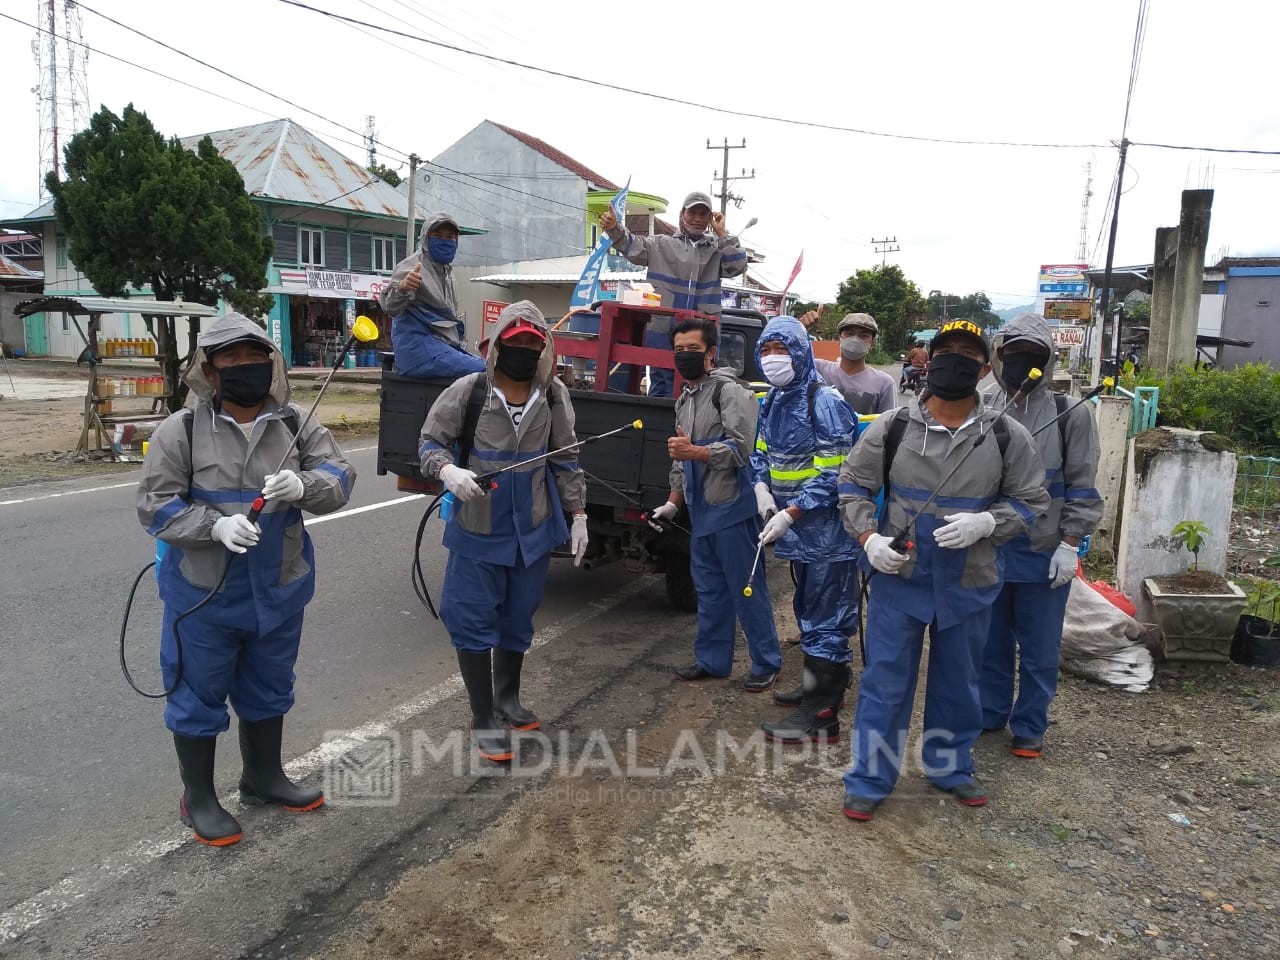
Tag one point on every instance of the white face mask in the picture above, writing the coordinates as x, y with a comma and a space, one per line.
778, 369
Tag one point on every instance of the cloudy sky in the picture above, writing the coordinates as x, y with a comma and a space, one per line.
967, 217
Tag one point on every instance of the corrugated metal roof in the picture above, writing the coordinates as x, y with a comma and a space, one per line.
283, 161
16, 271
86, 305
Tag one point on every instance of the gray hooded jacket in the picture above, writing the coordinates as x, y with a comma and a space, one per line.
436, 292
1070, 455
490, 528
184, 489
686, 271
1010, 488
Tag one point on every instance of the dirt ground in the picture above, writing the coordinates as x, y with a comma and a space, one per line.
1150, 828
38, 437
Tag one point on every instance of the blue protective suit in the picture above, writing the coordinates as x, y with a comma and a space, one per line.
243, 643
799, 460
500, 544
421, 351
726, 528
1026, 621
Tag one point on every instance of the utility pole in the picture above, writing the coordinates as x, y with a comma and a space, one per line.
411, 215
371, 140
724, 194
885, 249
1111, 253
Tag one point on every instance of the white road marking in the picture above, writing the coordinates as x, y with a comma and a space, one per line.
74, 890
68, 493
365, 509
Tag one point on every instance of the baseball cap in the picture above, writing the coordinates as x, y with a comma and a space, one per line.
253, 341
961, 328
864, 320
696, 198
523, 326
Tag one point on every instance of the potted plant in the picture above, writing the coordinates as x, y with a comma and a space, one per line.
1197, 610
1257, 639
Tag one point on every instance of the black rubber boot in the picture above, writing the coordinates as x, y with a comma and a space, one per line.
262, 780
199, 807
815, 720
793, 697
506, 691
491, 740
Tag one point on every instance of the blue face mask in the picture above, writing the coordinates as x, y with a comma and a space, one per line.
441, 250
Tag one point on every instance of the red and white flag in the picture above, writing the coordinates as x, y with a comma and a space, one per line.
795, 272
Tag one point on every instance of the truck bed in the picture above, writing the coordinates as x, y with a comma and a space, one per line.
638, 471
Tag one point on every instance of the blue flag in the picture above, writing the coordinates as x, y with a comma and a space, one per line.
585, 293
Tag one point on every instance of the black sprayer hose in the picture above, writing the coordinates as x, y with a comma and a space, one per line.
177, 635
416, 575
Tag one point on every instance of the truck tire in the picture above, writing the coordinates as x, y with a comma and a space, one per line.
681, 593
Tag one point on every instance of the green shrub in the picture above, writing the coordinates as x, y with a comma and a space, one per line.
1242, 404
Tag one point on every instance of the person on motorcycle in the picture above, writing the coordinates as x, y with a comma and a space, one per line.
914, 369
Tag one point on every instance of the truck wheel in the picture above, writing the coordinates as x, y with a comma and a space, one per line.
681, 592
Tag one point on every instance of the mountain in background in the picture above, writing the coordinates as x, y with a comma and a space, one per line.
1008, 313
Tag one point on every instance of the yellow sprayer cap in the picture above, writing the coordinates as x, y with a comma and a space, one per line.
637, 424
1109, 382
365, 329
1035, 374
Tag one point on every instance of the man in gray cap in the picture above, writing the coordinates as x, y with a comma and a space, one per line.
685, 268
867, 389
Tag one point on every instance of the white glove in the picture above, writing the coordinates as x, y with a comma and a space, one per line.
765, 505
882, 556
777, 527
236, 532
665, 512
964, 530
460, 482
1062, 565
578, 538
285, 486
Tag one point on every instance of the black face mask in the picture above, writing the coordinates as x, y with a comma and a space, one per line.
1017, 366
691, 364
518, 363
246, 384
953, 376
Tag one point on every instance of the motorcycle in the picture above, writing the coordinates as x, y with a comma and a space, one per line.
912, 380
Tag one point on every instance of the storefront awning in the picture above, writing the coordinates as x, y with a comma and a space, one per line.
86, 306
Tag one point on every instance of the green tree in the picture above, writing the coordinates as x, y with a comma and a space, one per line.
802, 307
974, 306
1139, 312
385, 174
886, 294
142, 211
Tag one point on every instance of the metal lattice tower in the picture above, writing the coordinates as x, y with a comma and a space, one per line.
1082, 249
62, 87
371, 140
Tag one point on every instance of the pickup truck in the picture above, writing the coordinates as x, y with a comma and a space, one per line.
626, 473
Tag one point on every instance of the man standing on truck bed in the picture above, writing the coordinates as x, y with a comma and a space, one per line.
428, 333
685, 268
500, 539
711, 475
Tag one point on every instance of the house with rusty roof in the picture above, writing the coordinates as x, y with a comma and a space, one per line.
534, 201
337, 231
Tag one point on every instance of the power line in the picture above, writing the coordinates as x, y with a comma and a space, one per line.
677, 100
1176, 146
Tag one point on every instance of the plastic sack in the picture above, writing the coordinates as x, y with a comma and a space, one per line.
1102, 643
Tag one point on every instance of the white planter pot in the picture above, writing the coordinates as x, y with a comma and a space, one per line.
1196, 626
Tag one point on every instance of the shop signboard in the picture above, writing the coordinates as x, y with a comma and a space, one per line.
490, 310
1066, 336
332, 284
1068, 310
1064, 280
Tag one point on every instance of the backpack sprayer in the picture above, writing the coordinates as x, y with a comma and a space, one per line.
365, 331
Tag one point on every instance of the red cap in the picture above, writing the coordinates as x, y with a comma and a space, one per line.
523, 326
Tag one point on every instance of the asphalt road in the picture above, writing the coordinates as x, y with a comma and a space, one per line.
94, 861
